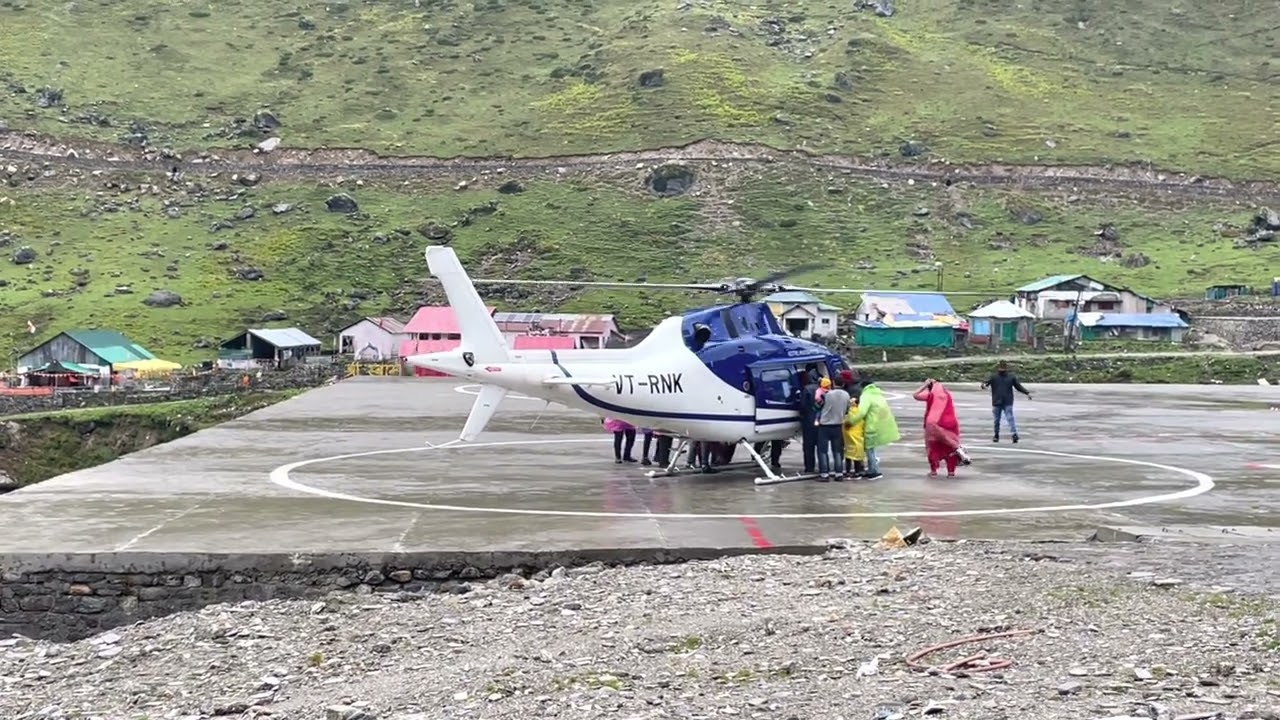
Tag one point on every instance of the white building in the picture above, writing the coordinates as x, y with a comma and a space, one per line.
1055, 298
371, 339
803, 315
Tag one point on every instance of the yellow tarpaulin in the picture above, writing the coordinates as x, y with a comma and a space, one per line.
148, 367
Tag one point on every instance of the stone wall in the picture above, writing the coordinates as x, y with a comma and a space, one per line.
69, 597
1242, 333
182, 387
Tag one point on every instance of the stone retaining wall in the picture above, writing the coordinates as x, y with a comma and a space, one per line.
69, 597
1240, 332
183, 387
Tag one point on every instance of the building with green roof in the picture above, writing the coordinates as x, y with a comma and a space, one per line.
85, 347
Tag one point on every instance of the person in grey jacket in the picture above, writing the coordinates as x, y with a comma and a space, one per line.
831, 413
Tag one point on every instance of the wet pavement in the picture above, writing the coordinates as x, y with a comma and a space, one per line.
544, 479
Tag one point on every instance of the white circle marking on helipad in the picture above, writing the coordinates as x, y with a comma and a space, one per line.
280, 476
474, 389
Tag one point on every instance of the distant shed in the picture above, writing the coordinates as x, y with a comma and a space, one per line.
100, 348
268, 347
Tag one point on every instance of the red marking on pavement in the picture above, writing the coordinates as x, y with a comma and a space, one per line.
755, 533
492, 369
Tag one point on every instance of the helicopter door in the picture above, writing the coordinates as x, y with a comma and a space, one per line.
776, 394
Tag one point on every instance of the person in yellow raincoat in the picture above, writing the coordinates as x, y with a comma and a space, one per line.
855, 448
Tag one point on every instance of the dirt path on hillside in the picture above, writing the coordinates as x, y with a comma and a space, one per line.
975, 360
27, 149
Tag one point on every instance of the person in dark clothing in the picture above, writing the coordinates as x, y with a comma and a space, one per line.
662, 450
1002, 384
808, 415
648, 445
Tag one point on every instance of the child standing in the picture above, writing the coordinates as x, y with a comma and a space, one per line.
855, 449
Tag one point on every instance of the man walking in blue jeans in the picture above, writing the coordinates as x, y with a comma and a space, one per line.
1002, 384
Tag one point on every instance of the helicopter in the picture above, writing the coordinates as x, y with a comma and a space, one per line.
723, 374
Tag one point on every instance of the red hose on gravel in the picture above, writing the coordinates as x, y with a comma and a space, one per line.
913, 661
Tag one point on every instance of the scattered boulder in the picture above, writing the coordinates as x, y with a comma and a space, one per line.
267, 145
912, 149
882, 8
246, 212
652, 78
1135, 260
341, 203
843, 81
249, 179
24, 256
274, 316
163, 299
1265, 226
1027, 216
510, 187
48, 97
265, 120
1108, 233
219, 246
433, 231
671, 180
280, 208
251, 274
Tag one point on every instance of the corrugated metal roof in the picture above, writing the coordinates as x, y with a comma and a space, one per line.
543, 342
389, 324
1000, 310
111, 346
431, 319
284, 338
564, 323
791, 296
914, 310
1143, 320
1048, 282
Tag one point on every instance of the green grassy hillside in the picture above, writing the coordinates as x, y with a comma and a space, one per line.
100, 252
1182, 85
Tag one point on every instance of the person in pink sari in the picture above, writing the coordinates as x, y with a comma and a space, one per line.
622, 431
941, 428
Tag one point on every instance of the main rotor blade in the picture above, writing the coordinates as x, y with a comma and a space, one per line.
892, 291
774, 277
598, 283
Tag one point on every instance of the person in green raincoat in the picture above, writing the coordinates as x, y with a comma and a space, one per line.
880, 428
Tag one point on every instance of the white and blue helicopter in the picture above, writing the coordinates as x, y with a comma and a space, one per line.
725, 374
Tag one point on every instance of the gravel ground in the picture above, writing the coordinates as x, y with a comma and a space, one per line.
1117, 633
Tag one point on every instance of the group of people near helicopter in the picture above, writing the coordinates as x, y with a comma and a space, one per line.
843, 423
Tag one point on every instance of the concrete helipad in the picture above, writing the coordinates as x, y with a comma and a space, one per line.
352, 468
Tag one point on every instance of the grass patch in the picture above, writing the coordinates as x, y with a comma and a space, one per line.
1180, 85
100, 254
37, 446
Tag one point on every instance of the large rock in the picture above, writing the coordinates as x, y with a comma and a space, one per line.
24, 256
671, 180
163, 299
342, 203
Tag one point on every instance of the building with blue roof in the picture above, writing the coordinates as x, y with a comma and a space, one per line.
1167, 327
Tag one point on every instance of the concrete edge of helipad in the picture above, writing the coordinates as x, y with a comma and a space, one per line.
1211, 534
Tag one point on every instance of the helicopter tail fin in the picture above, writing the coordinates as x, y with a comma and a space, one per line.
480, 334
482, 342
